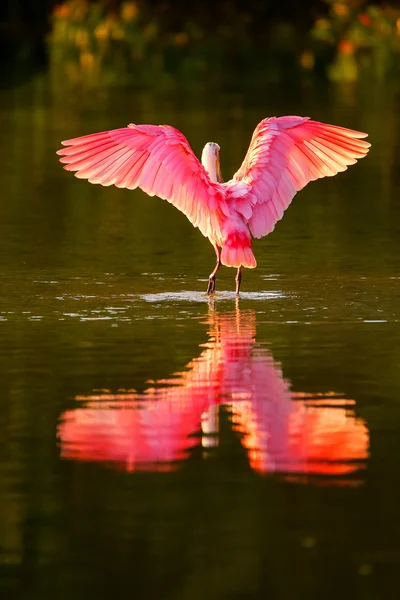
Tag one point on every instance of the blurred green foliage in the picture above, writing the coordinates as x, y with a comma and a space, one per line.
87, 39
99, 41
92, 41
364, 41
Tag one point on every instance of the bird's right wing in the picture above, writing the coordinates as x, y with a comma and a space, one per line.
156, 158
285, 154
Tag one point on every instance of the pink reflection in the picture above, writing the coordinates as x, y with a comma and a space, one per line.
282, 431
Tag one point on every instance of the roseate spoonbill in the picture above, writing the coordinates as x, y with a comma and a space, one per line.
285, 153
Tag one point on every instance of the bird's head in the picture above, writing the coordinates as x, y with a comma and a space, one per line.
210, 161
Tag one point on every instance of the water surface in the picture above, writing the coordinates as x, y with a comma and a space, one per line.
158, 444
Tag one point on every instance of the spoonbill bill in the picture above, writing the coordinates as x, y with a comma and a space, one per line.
285, 153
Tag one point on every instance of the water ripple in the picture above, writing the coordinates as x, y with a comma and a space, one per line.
189, 296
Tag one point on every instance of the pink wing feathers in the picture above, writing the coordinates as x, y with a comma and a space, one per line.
156, 158
285, 153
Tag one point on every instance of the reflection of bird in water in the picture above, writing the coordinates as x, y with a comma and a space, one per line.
281, 431
285, 153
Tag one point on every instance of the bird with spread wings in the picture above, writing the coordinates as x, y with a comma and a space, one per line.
285, 153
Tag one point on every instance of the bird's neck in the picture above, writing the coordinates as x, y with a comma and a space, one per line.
209, 162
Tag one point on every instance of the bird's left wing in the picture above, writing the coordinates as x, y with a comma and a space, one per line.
285, 153
156, 158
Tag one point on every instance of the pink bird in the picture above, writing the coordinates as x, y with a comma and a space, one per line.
285, 153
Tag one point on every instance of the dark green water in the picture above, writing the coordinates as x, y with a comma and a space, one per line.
156, 445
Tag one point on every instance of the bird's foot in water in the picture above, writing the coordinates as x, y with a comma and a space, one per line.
211, 285
238, 280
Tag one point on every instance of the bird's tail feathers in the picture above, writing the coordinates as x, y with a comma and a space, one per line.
237, 252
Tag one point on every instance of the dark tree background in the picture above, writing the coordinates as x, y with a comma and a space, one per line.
24, 24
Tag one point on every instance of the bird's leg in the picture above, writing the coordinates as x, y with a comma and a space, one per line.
238, 280
211, 279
